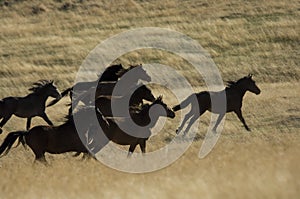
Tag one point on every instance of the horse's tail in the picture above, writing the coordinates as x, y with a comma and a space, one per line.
63, 94
183, 104
10, 140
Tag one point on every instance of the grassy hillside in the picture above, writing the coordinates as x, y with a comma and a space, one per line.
50, 39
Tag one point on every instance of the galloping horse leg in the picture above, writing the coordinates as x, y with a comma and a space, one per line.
240, 116
143, 146
45, 117
186, 118
41, 158
192, 121
131, 149
214, 129
28, 123
3, 122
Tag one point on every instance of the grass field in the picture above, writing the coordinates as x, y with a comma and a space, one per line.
50, 39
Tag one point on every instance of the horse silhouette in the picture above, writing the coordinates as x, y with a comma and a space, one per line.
29, 106
141, 117
111, 73
234, 97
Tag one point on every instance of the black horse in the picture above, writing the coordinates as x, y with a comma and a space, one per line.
234, 95
141, 117
51, 139
107, 88
111, 73
30, 106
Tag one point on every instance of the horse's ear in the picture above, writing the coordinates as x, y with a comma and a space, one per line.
51, 81
160, 98
250, 75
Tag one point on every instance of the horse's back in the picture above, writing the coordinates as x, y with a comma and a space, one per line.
8, 105
37, 137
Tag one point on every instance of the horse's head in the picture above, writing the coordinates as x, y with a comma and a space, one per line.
46, 88
250, 84
158, 101
51, 90
143, 92
140, 72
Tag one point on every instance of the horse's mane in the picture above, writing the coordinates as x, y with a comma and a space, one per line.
37, 86
125, 70
117, 69
233, 84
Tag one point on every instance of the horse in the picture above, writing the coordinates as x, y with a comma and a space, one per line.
111, 73
89, 93
29, 106
141, 117
130, 78
103, 103
51, 139
235, 92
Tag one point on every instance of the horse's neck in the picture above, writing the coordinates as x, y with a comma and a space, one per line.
145, 117
238, 90
135, 99
41, 95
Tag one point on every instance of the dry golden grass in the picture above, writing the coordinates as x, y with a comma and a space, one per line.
49, 39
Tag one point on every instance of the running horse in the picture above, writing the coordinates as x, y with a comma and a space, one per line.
112, 131
29, 106
51, 139
111, 73
235, 92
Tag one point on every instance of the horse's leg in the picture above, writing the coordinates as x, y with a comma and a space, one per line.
186, 118
240, 116
3, 122
214, 129
28, 123
131, 149
76, 154
192, 121
45, 117
143, 146
40, 157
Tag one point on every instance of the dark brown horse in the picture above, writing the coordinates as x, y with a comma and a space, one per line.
106, 88
128, 79
51, 139
29, 106
111, 73
234, 97
141, 117
86, 92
